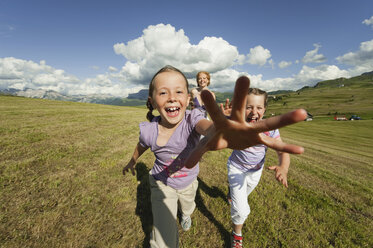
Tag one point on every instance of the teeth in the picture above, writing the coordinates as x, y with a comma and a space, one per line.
172, 109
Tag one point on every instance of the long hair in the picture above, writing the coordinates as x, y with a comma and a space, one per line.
149, 105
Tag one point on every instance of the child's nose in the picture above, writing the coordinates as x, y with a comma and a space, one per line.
172, 97
254, 111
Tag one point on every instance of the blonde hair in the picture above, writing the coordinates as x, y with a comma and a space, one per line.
149, 105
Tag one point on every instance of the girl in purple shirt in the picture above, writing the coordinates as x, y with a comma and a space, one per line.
173, 137
245, 166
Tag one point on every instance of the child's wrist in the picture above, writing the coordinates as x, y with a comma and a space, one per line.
284, 168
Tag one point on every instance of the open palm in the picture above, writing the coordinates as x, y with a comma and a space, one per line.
235, 132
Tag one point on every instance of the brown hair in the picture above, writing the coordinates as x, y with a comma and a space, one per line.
259, 92
207, 74
149, 105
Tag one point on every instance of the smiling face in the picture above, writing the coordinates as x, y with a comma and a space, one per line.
203, 80
170, 97
255, 107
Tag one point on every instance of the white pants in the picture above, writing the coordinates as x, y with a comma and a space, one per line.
241, 184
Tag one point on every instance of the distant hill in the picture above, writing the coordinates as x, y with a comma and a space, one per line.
141, 95
341, 96
94, 98
277, 92
329, 93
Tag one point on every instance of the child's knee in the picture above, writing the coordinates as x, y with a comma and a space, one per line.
239, 218
239, 213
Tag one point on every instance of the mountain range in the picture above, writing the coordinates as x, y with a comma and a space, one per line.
139, 98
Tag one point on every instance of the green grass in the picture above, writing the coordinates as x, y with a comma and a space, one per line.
61, 183
328, 98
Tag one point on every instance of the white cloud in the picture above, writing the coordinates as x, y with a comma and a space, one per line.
112, 69
241, 59
307, 76
163, 44
361, 60
224, 80
369, 22
284, 64
258, 56
22, 74
313, 56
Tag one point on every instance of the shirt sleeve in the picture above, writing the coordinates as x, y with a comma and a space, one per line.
275, 133
144, 135
196, 115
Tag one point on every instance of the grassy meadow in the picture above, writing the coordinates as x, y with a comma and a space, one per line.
328, 98
61, 183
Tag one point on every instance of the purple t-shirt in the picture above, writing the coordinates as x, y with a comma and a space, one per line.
169, 159
251, 158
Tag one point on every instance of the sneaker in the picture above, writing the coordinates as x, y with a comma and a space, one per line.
236, 241
186, 223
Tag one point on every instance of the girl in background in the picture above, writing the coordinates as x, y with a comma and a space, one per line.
203, 80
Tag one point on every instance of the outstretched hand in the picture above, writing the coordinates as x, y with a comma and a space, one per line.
281, 174
235, 133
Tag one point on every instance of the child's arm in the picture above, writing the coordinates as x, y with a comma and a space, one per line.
235, 132
204, 126
281, 170
139, 150
196, 94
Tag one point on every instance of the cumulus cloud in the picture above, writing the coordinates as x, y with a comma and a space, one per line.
224, 80
163, 44
23, 74
361, 60
20, 74
313, 56
284, 64
307, 76
258, 56
369, 22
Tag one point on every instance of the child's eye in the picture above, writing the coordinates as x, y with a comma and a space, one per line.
180, 92
162, 93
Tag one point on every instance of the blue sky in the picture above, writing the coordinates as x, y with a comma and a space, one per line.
114, 47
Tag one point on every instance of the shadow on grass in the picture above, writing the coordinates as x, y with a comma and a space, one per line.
212, 192
144, 210
143, 207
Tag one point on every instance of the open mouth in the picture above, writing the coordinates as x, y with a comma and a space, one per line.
172, 111
252, 119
